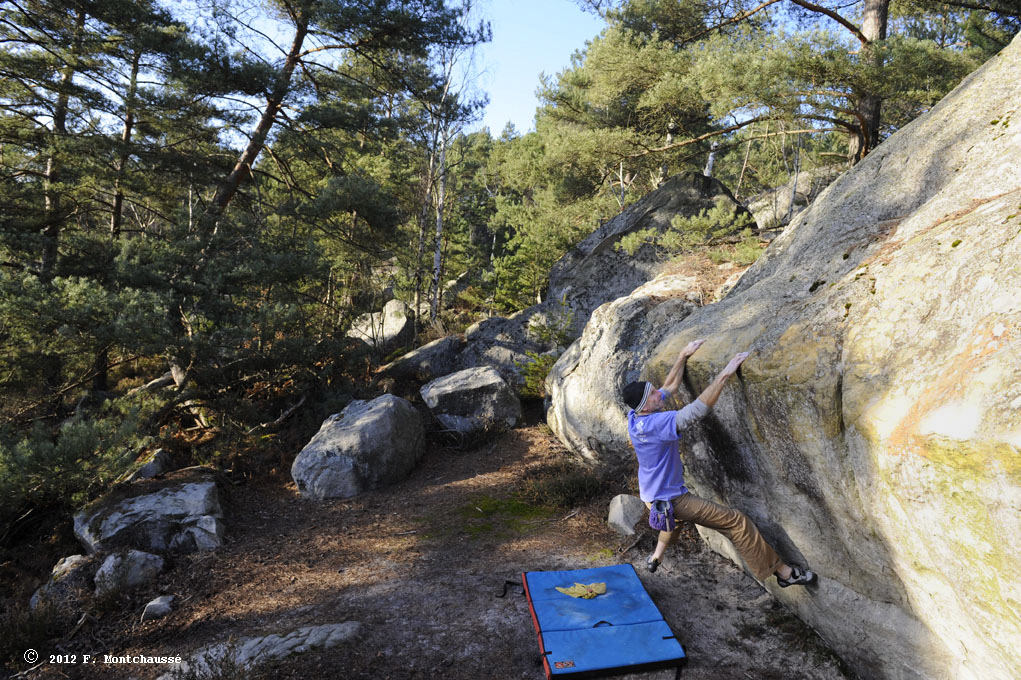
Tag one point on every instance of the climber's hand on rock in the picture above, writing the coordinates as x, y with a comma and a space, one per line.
692, 348
734, 364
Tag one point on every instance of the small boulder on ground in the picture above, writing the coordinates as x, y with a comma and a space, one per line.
126, 569
473, 400
158, 463
393, 327
625, 512
180, 513
158, 608
69, 587
368, 445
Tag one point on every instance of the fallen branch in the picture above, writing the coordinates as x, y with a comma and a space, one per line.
24, 673
284, 416
624, 551
166, 380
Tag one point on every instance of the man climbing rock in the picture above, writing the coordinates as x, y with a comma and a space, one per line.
655, 434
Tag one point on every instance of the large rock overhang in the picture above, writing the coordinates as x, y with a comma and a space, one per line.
875, 431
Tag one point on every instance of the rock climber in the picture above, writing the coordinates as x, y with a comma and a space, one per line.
655, 434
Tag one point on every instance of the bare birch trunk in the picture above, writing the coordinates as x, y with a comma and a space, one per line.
441, 195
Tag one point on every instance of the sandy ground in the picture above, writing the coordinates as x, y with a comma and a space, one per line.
419, 565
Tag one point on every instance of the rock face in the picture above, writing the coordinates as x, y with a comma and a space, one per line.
875, 431
368, 445
391, 328
473, 400
592, 273
180, 513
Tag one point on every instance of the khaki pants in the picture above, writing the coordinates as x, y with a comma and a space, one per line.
761, 559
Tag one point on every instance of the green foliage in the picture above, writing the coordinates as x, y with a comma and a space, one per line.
555, 329
534, 372
723, 219
66, 465
127, 246
540, 230
747, 251
483, 516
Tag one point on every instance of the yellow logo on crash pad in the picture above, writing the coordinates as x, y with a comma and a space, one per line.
584, 591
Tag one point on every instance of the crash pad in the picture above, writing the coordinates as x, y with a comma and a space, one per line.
618, 631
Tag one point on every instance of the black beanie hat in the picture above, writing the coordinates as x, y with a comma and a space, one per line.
634, 393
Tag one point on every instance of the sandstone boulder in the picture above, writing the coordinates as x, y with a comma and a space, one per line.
501, 343
617, 342
433, 360
368, 445
68, 589
158, 608
126, 569
875, 432
391, 328
777, 207
625, 512
473, 400
156, 464
180, 513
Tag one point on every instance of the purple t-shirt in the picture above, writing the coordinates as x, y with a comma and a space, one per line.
655, 437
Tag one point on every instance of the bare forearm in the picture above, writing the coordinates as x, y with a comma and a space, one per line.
676, 374
712, 393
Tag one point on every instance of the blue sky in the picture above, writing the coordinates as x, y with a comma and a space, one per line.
529, 37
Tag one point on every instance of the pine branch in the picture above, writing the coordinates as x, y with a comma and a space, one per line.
855, 31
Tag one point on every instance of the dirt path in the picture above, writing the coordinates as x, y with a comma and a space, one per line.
419, 566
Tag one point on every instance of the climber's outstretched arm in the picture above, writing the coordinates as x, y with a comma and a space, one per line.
676, 374
712, 393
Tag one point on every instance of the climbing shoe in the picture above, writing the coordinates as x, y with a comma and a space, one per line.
652, 563
799, 577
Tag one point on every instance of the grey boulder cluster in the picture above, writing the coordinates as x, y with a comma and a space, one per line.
129, 533
470, 380
374, 444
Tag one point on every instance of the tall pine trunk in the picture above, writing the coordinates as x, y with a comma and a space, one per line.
116, 215
870, 104
423, 220
274, 103
53, 205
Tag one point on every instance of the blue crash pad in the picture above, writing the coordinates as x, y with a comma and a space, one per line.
619, 631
